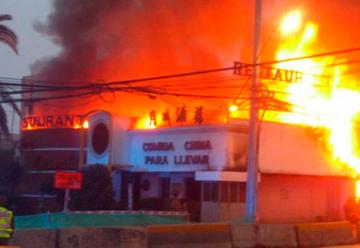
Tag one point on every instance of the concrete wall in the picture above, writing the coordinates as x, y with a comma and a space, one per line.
192, 235
210, 211
232, 211
80, 238
288, 199
300, 150
219, 211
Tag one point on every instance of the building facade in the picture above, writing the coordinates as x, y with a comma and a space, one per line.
205, 167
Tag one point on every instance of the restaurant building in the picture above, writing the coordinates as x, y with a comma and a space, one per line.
205, 167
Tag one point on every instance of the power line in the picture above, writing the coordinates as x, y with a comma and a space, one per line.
99, 88
48, 98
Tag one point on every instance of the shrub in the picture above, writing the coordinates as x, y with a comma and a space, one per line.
96, 192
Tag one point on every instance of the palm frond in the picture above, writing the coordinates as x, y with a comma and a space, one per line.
8, 37
5, 17
7, 97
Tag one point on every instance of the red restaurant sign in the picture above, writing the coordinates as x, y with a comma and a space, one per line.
68, 180
52, 121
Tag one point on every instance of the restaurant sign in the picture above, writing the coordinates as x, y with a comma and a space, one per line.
196, 158
52, 121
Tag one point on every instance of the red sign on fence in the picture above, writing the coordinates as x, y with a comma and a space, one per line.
68, 180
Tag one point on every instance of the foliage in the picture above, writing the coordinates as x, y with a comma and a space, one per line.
8, 37
155, 203
10, 178
96, 192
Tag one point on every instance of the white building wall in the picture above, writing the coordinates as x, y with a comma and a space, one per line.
290, 199
218, 155
299, 150
92, 157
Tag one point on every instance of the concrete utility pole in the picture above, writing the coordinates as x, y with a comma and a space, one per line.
252, 165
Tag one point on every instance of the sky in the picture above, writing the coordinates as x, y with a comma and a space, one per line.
215, 38
32, 45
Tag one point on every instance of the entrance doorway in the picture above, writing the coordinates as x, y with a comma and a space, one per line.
130, 190
192, 200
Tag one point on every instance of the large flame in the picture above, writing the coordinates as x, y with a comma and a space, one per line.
319, 101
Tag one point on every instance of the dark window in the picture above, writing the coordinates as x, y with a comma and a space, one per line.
233, 192
192, 189
242, 192
215, 192
207, 190
100, 138
224, 192
165, 187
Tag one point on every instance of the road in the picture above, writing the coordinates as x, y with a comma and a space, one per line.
344, 246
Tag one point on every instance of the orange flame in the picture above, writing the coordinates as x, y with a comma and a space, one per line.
85, 124
314, 101
357, 190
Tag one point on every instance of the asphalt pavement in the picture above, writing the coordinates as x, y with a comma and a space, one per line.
344, 246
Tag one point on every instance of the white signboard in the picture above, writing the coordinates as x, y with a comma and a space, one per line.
180, 149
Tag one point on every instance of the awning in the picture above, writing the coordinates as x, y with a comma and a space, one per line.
223, 176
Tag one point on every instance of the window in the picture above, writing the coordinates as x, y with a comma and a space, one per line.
215, 192
224, 192
100, 138
211, 191
242, 192
234, 191
165, 187
207, 190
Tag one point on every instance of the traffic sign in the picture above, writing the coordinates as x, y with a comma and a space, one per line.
68, 180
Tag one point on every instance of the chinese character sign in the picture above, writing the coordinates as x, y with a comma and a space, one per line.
166, 117
152, 117
181, 115
198, 117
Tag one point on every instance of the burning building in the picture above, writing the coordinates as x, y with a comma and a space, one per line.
173, 132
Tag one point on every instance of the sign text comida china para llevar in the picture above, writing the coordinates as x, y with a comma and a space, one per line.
178, 159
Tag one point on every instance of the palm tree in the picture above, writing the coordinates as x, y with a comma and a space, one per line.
8, 37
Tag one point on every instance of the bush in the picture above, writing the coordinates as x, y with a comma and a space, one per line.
96, 192
155, 203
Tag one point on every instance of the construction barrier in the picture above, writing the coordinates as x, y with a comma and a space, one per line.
34, 238
89, 219
189, 235
102, 237
243, 235
357, 231
325, 234
276, 235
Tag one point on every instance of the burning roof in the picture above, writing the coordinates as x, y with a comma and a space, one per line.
107, 44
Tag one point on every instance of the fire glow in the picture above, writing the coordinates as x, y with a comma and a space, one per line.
330, 106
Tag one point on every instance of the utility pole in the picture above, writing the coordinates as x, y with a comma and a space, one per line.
252, 163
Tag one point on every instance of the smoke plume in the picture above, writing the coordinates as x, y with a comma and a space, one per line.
122, 39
